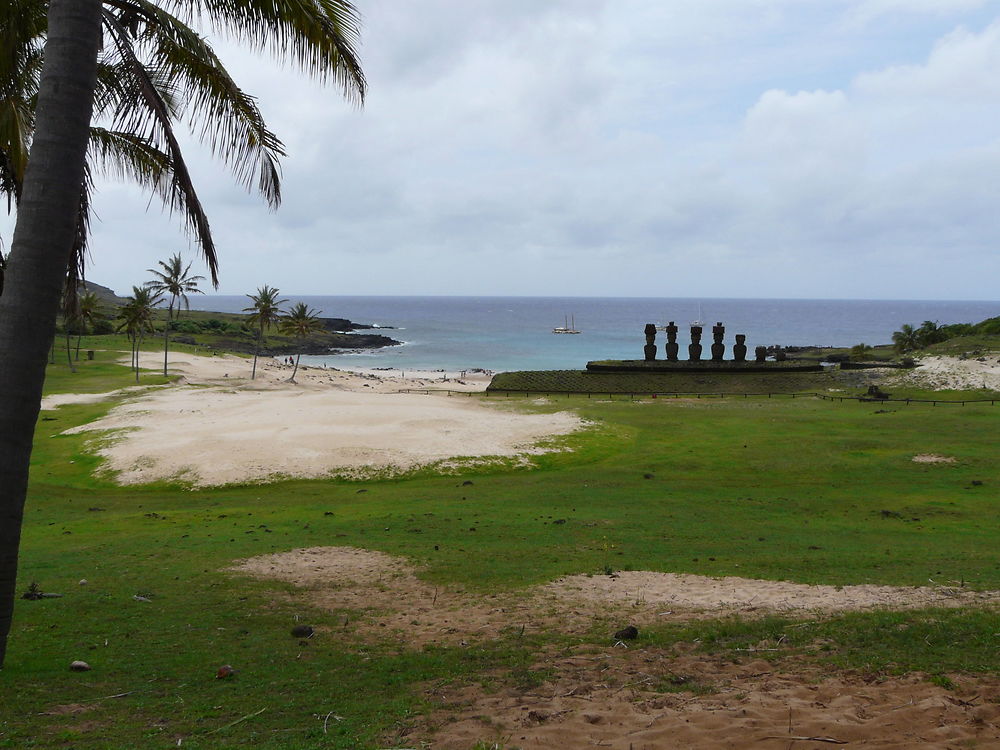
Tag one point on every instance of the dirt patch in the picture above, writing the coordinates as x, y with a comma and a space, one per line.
642, 698
933, 458
418, 613
650, 699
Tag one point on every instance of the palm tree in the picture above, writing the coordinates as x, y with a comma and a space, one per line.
46, 226
300, 322
928, 333
71, 318
88, 311
318, 35
905, 339
136, 316
264, 312
175, 281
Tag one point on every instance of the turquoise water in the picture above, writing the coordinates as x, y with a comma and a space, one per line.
515, 333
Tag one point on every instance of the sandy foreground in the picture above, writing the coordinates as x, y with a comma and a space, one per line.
635, 697
219, 427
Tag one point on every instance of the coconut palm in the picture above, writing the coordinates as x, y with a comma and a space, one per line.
59, 90
136, 316
264, 312
46, 226
71, 318
88, 311
929, 333
905, 339
175, 281
299, 322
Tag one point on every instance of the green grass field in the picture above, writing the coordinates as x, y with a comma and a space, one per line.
800, 490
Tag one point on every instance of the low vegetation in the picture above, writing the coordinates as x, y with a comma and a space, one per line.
781, 488
929, 333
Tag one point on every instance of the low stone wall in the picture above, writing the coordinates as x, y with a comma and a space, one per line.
685, 366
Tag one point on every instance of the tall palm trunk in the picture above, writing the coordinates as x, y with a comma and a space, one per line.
166, 342
138, 343
69, 353
256, 351
297, 357
43, 237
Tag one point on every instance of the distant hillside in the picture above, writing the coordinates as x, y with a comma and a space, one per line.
106, 295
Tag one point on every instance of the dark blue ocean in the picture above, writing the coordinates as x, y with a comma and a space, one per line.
515, 333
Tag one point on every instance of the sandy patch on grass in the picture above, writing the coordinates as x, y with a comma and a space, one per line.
640, 697
953, 373
215, 436
932, 458
418, 612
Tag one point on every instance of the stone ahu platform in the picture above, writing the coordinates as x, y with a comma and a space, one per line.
685, 366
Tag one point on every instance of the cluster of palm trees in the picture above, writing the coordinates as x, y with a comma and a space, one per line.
80, 311
173, 281
908, 338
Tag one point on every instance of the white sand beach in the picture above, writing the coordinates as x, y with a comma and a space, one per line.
216, 426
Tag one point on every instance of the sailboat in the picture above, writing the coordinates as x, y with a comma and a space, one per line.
699, 321
568, 326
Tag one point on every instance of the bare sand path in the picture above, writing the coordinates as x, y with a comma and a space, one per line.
218, 427
643, 697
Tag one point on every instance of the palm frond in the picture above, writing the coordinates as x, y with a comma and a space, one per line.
127, 156
319, 36
22, 26
190, 77
143, 108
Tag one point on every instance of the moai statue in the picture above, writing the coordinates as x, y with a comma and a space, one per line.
672, 346
650, 348
694, 350
779, 354
740, 348
760, 353
718, 348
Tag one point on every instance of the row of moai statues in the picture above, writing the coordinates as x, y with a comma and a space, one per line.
718, 349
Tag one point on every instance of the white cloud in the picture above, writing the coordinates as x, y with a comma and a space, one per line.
718, 147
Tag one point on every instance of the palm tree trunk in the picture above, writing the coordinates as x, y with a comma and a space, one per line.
43, 237
166, 342
69, 353
78, 337
297, 356
256, 350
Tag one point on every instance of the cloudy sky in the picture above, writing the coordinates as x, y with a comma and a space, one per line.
675, 148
